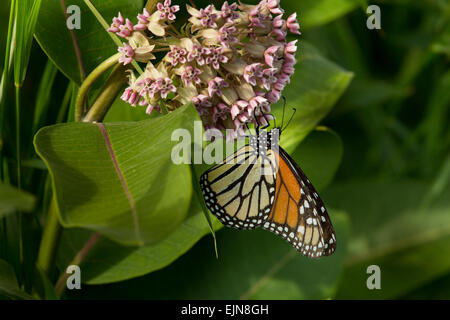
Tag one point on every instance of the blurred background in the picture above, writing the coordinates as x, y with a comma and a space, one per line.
380, 157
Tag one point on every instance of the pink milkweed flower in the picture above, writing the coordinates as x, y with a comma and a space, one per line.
239, 110
273, 96
285, 78
263, 120
252, 73
278, 22
290, 47
289, 53
215, 56
279, 85
280, 34
258, 106
191, 75
127, 54
151, 107
226, 35
288, 68
215, 85
274, 7
207, 17
198, 54
220, 112
126, 29
270, 55
153, 23
167, 11
144, 19
228, 12
117, 22
131, 95
278, 28
177, 55
256, 17
292, 24
202, 104
163, 86
269, 78
202, 100
203, 18
146, 87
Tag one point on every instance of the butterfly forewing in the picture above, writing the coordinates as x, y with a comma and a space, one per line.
240, 191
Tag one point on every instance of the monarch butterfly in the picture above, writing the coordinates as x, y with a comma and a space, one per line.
260, 185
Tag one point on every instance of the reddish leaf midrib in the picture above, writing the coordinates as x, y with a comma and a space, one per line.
105, 135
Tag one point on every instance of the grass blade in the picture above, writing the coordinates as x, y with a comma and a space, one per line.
44, 94
5, 81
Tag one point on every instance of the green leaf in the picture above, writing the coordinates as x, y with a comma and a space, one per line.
315, 87
438, 289
319, 154
410, 244
252, 264
442, 44
44, 95
108, 262
94, 43
27, 12
123, 111
44, 285
312, 13
12, 200
8, 283
118, 178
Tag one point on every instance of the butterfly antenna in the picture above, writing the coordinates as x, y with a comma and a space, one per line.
284, 108
248, 129
257, 125
290, 119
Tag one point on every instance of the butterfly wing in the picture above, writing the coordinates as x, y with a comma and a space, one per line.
240, 191
298, 214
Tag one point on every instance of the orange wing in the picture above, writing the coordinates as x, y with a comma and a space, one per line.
298, 214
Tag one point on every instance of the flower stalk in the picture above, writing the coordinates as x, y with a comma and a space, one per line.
105, 99
81, 102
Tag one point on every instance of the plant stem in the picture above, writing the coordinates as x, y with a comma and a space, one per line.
19, 176
79, 257
18, 151
49, 241
105, 99
90, 80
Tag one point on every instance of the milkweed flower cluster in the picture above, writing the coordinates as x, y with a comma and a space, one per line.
232, 62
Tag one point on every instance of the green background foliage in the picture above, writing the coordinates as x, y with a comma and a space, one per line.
370, 131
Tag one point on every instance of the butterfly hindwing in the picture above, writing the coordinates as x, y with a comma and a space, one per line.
298, 214
237, 192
